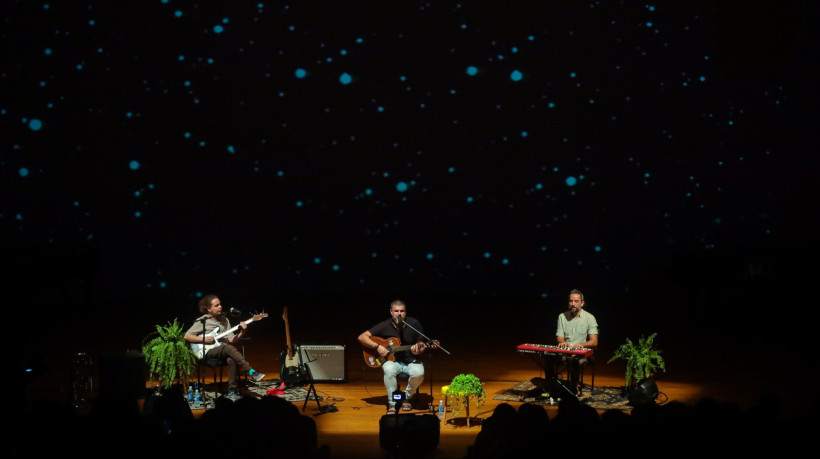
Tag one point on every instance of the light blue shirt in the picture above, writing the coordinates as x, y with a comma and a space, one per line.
576, 330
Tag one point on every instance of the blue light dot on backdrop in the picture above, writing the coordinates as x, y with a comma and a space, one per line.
300, 73
345, 78
317, 260
401, 187
571, 181
486, 254
35, 124
23, 172
516, 75
472, 70
218, 29
134, 165
429, 256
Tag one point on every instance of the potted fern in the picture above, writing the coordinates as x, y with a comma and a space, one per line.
169, 357
463, 390
642, 360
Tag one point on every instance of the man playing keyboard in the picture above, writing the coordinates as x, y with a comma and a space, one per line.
576, 329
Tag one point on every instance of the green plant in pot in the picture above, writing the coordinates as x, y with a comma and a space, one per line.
169, 357
462, 391
642, 360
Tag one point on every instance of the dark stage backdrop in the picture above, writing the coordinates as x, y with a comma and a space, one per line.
477, 159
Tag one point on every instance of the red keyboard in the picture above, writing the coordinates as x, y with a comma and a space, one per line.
553, 350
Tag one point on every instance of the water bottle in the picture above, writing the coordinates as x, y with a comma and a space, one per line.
441, 410
196, 393
190, 393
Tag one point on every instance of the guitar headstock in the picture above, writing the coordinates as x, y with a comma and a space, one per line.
260, 315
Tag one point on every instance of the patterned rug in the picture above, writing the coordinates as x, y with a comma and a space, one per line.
256, 389
292, 394
536, 391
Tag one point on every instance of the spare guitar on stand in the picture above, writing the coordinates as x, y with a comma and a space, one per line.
292, 372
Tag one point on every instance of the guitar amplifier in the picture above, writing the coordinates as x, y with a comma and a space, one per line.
326, 362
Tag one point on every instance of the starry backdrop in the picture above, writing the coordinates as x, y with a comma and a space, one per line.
477, 159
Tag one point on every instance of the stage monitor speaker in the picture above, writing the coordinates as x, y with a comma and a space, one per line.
416, 433
645, 393
326, 362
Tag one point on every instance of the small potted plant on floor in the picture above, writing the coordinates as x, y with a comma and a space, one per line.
169, 357
643, 360
462, 391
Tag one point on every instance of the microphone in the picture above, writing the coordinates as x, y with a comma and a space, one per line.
235, 312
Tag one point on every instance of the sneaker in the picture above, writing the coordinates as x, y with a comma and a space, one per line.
233, 396
257, 376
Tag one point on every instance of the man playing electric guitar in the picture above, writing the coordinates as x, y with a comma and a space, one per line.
406, 361
214, 320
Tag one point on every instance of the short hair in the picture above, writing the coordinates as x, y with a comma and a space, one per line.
575, 291
397, 303
205, 303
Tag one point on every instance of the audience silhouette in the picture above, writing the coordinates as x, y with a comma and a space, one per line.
707, 426
271, 426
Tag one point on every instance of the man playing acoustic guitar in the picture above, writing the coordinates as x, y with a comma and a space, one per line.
379, 341
215, 324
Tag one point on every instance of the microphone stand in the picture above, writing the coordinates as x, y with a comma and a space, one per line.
431, 364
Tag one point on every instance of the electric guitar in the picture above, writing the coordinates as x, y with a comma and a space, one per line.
201, 349
393, 345
291, 372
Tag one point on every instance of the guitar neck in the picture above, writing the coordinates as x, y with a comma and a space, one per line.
401, 348
228, 332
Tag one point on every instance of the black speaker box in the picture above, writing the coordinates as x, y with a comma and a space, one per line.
409, 432
325, 362
645, 393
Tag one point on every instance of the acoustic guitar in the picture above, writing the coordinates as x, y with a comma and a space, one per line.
291, 372
393, 345
201, 349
